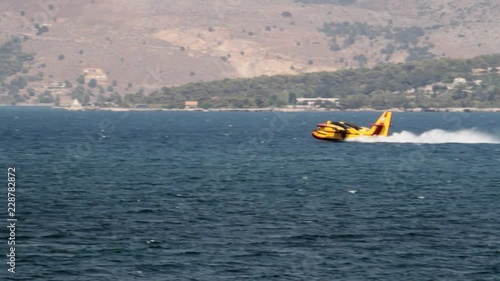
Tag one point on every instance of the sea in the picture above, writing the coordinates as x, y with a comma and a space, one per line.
164, 195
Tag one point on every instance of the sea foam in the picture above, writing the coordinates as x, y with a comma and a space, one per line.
436, 136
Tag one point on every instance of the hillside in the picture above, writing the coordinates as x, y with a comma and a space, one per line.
127, 45
437, 83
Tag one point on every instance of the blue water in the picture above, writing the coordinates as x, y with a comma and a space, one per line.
249, 196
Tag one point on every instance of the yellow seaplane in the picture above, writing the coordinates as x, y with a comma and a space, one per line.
340, 131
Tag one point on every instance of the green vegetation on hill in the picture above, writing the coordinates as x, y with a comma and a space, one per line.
12, 60
345, 34
386, 85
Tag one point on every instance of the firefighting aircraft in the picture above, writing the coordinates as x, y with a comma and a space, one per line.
340, 131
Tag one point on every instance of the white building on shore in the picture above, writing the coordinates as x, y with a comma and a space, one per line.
312, 102
76, 106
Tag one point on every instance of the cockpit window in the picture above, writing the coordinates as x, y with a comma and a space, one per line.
341, 125
353, 126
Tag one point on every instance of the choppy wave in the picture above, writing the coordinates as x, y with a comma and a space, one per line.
436, 136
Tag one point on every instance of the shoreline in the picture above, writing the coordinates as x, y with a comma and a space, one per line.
267, 109
447, 109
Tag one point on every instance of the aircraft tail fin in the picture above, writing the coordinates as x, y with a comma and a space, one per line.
383, 124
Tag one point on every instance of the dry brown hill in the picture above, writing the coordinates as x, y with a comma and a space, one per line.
152, 43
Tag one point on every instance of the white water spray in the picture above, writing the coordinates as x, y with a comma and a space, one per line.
435, 136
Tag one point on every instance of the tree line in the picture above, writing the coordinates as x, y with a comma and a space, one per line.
384, 85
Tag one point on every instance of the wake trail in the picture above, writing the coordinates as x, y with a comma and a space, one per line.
435, 136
